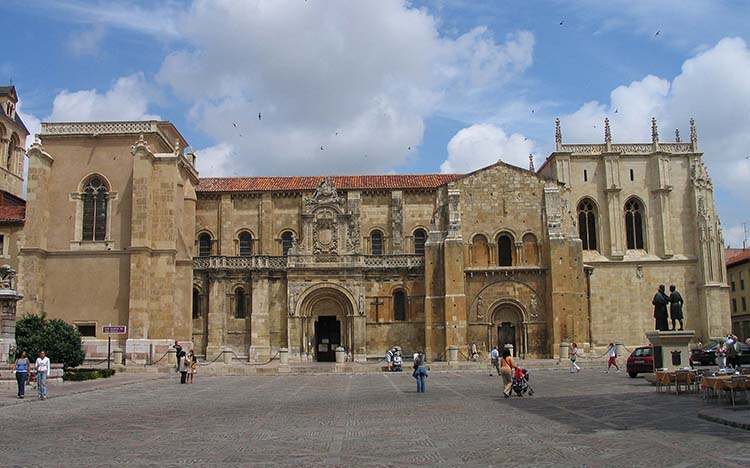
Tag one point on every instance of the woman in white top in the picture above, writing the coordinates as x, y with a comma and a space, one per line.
573, 354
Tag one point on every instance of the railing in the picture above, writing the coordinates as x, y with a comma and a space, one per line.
98, 128
267, 262
628, 148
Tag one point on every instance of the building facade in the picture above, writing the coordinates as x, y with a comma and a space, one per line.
500, 256
738, 271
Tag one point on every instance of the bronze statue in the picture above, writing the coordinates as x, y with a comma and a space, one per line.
660, 309
675, 307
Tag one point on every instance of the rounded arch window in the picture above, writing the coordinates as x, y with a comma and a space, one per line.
505, 250
246, 244
376, 242
587, 224
204, 245
420, 237
94, 223
399, 305
286, 242
196, 303
480, 251
634, 224
530, 249
240, 303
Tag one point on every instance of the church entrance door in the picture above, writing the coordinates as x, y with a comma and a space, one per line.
327, 338
506, 335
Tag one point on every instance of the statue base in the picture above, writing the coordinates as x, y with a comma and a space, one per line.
671, 348
7, 349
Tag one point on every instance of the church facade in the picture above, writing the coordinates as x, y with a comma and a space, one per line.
120, 229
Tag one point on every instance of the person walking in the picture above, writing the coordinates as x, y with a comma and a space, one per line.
193, 366
495, 360
178, 354
21, 368
420, 371
612, 351
42, 371
506, 371
721, 355
573, 354
389, 359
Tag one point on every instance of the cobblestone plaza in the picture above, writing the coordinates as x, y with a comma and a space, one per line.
586, 419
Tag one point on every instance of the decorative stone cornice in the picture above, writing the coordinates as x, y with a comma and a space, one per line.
292, 262
99, 128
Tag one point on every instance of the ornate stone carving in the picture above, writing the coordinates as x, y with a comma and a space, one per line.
325, 233
98, 128
700, 176
480, 313
454, 214
352, 242
324, 193
534, 306
7, 277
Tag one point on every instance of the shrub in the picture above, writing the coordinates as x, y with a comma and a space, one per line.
76, 375
61, 341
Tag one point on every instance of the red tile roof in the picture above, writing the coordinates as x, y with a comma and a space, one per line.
12, 213
736, 256
363, 182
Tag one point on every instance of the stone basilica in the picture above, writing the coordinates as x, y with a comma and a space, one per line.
120, 229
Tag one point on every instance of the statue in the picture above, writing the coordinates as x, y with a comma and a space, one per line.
7, 277
675, 307
660, 302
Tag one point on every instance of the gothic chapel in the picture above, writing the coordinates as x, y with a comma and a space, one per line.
503, 255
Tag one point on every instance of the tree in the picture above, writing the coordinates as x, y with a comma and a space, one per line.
60, 340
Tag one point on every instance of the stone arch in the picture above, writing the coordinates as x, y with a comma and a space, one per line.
530, 249
480, 250
508, 320
325, 313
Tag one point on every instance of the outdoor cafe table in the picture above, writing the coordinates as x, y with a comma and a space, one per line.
665, 377
719, 382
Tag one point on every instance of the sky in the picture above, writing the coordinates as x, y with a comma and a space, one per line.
307, 87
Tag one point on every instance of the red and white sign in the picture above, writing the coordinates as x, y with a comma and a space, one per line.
115, 329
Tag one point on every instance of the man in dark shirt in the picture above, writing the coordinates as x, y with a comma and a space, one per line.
675, 307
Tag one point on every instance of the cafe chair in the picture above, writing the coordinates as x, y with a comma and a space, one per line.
738, 385
682, 378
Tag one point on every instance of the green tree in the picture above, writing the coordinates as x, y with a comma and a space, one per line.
60, 340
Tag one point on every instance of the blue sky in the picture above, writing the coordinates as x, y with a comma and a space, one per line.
391, 86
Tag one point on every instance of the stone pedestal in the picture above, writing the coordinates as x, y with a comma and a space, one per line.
564, 348
8, 300
452, 354
284, 357
671, 344
117, 357
340, 355
227, 355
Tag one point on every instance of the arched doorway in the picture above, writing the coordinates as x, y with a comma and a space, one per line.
507, 327
326, 313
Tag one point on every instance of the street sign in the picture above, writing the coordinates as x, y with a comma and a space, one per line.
115, 329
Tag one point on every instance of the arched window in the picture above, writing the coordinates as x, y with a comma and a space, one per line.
240, 303
376, 243
204, 245
530, 249
12, 145
196, 303
420, 237
246, 244
634, 223
399, 305
95, 194
504, 250
286, 242
480, 251
587, 224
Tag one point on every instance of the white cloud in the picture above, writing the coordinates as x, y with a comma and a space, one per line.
483, 144
734, 236
215, 161
33, 124
86, 42
357, 78
712, 87
128, 99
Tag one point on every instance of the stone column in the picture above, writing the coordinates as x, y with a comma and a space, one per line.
662, 192
265, 228
359, 346
397, 219
614, 205
217, 315
456, 319
260, 328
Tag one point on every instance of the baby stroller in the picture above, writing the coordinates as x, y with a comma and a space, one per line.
397, 363
520, 383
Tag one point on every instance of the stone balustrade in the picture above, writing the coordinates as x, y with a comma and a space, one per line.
267, 262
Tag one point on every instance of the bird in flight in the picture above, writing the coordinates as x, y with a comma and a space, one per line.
561, 23
321, 147
657, 33
259, 116
525, 139
235, 125
409, 148
532, 111
615, 111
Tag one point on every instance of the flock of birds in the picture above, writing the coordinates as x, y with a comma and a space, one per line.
409, 148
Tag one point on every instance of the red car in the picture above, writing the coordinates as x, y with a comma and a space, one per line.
641, 361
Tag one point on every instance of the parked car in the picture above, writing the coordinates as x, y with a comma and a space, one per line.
640, 361
705, 356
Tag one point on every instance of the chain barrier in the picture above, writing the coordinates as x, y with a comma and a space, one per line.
159, 360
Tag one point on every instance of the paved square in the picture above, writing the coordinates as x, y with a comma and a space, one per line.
584, 420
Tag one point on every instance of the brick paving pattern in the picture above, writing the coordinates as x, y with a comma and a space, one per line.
584, 420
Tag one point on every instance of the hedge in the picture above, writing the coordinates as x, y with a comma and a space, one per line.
79, 374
